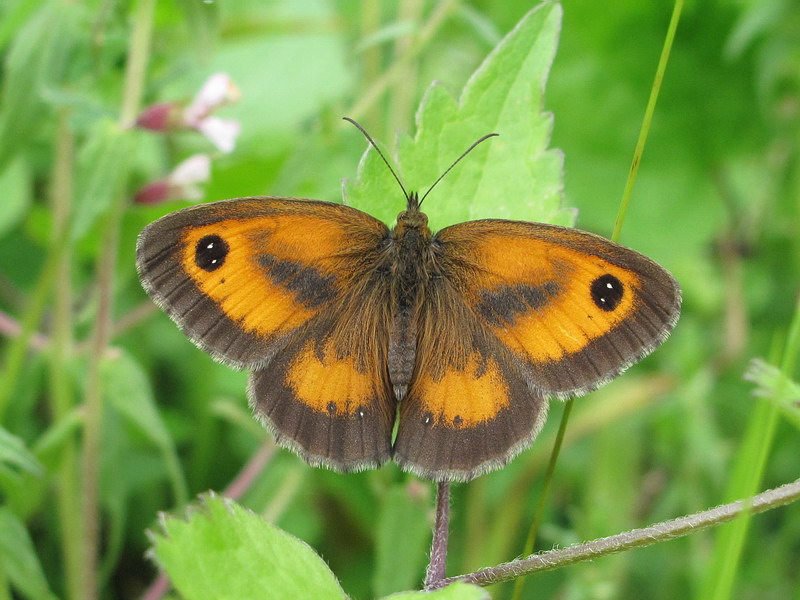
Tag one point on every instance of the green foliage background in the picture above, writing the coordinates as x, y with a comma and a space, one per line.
717, 202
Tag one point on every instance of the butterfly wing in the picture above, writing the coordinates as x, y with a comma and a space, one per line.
468, 409
326, 395
576, 308
540, 310
284, 287
239, 276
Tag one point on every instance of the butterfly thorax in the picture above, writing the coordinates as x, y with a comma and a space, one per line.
410, 266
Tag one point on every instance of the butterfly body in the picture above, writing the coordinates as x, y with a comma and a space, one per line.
410, 268
347, 326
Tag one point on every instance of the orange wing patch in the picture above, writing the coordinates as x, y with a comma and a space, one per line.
329, 384
568, 318
238, 276
464, 398
536, 294
255, 285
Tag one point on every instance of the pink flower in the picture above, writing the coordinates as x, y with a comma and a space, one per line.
162, 116
181, 184
218, 91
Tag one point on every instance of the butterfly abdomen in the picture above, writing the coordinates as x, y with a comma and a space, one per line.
410, 266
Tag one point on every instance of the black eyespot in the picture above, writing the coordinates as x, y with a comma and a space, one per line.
607, 292
210, 252
457, 420
331, 408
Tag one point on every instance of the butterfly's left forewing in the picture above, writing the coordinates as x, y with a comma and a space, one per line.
240, 276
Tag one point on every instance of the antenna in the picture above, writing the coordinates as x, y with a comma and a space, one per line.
391, 170
378, 150
456, 161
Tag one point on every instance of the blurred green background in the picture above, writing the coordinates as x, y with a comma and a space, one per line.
717, 202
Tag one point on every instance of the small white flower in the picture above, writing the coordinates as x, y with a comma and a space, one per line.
195, 169
220, 132
218, 90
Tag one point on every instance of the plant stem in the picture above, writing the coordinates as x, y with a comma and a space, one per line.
748, 472
5, 585
643, 133
437, 568
136, 69
61, 393
18, 348
11, 328
157, 589
250, 471
90, 468
648, 118
402, 98
93, 403
637, 538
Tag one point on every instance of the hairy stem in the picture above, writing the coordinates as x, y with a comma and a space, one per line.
61, 392
637, 538
438, 564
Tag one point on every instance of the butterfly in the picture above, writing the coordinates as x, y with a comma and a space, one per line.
366, 343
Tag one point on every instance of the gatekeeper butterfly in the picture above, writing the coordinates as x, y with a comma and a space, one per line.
350, 328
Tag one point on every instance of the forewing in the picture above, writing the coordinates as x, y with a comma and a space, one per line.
240, 276
575, 308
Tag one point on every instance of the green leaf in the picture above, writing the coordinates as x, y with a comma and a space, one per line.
35, 63
225, 551
19, 559
103, 165
15, 182
14, 452
403, 533
454, 591
127, 388
512, 176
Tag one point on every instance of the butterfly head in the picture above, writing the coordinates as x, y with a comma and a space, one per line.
412, 217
